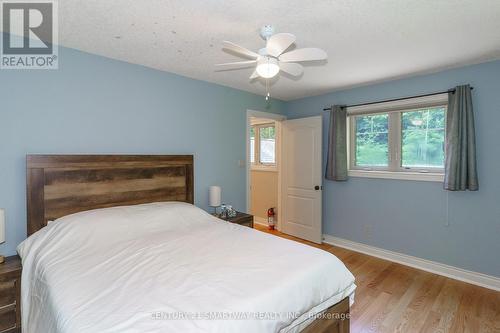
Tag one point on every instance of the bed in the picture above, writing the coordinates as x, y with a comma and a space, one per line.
116, 245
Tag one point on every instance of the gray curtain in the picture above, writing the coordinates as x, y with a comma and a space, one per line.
460, 164
336, 162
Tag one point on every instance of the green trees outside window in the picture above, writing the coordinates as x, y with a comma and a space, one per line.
372, 140
423, 138
400, 140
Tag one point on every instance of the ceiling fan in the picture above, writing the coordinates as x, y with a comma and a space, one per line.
272, 59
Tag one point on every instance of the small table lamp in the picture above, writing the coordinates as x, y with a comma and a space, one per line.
2, 231
214, 197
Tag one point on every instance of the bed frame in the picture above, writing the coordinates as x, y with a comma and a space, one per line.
58, 185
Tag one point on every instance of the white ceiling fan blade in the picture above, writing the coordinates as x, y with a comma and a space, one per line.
239, 49
254, 75
236, 65
305, 54
291, 68
277, 44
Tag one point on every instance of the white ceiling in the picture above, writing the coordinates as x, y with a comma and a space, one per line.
366, 40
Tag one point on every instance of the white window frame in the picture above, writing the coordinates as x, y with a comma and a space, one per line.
394, 170
257, 164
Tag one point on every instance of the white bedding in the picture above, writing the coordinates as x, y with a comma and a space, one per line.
171, 267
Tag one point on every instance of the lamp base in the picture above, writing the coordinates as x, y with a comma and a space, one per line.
2, 259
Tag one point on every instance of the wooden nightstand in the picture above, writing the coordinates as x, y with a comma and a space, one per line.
10, 295
241, 219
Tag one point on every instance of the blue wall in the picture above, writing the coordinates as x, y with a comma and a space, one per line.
98, 105
409, 216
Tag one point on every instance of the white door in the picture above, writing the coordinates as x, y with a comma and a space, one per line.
301, 179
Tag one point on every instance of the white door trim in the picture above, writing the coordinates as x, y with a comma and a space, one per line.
278, 118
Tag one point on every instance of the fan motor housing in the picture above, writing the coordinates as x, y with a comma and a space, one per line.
263, 52
266, 31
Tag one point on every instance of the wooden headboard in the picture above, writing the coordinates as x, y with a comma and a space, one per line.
58, 185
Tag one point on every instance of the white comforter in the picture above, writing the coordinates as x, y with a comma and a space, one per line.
171, 267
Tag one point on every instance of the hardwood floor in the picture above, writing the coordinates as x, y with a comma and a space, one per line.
395, 298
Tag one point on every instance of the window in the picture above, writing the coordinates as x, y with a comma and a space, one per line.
263, 145
422, 138
372, 140
267, 137
402, 139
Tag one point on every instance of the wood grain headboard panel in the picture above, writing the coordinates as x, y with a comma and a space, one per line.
59, 185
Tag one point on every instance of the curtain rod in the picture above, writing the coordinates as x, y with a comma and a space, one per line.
398, 99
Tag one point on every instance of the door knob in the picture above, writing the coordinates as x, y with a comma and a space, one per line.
316, 188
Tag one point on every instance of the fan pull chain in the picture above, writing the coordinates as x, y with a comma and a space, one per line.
268, 94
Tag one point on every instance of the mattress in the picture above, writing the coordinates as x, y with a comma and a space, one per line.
171, 267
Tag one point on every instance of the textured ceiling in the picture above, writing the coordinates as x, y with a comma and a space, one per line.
366, 40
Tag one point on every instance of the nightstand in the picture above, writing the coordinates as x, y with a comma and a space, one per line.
10, 295
241, 219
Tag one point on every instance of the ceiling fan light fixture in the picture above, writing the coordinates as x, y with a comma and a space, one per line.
268, 67
277, 56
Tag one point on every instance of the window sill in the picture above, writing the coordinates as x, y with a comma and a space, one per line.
264, 168
418, 176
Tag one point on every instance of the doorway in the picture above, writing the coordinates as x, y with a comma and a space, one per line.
284, 160
264, 165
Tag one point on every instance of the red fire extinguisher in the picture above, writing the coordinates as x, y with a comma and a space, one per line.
270, 218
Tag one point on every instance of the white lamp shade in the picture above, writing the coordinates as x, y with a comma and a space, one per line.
268, 67
2, 225
214, 196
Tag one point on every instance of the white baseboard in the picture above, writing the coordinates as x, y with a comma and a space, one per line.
479, 279
260, 221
